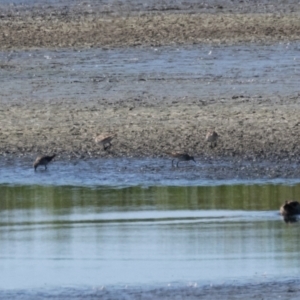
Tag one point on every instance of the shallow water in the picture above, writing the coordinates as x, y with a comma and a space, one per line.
121, 74
61, 236
146, 172
81, 235
134, 6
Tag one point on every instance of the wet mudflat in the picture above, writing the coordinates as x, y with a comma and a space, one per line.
103, 24
155, 99
151, 75
69, 8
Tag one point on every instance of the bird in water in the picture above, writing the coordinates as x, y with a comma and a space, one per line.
43, 161
180, 157
212, 137
105, 140
290, 209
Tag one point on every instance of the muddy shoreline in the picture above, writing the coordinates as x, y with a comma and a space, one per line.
91, 24
249, 128
262, 289
146, 30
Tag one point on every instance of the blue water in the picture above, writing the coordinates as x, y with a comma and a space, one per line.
58, 237
114, 228
125, 172
120, 74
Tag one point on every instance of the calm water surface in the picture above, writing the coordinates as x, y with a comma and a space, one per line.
108, 235
120, 74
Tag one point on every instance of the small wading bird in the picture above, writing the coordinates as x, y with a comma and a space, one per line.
290, 209
180, 157
212, 137
105, 140
43, 161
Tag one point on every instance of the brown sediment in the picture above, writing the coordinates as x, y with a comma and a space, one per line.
254, 126
247, 128
148, 29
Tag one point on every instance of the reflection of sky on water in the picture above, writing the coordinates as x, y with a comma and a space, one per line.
177, 72
123, 172
58, 236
